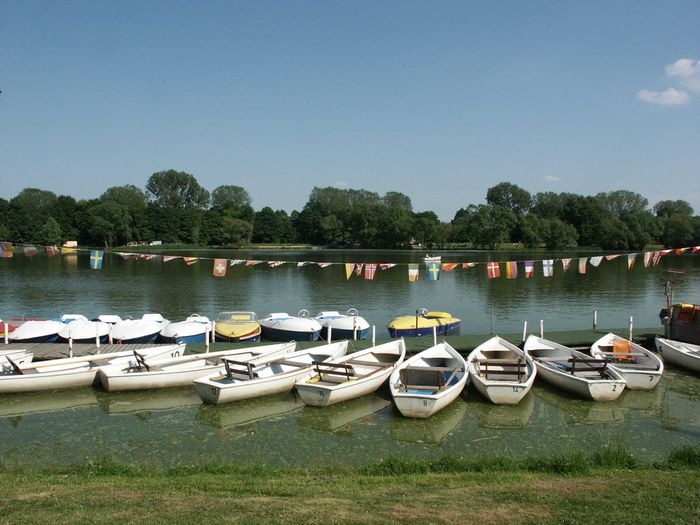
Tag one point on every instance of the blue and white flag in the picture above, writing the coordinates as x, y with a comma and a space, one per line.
96, 259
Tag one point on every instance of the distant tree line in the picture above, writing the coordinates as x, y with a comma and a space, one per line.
174, 208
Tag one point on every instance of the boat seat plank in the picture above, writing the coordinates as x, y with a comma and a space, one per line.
500, 362
361, 362
433, 368
623, 354
289, 363
431, 388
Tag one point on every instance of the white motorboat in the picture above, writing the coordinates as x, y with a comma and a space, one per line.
343, 326
77, 371
686, 355
144, 330
182, 370
501, 371
247, 380
79, 329
36, 331
353, 375
640, 368
574, 371
429, 381
281, 326
194, 329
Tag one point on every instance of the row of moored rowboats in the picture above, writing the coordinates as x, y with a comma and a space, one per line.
323, 375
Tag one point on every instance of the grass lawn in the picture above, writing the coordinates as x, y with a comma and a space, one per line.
612, 488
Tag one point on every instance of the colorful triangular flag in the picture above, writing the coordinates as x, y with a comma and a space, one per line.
412, 272
51, 250
370, 269
448, 267
582, 264
647, 258
467, 265
386, 266
595, 261
235, 262
565, 263
189, 261
630, 260
30, 251
324, 264
6, 250
611, 257
349, 269
167, 258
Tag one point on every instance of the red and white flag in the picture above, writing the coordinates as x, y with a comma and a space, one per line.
696, 249
220, 266
189, 261
370, 269
275, 264
251, 262
51, 250
358, 268
647, 258
448, 267
529, 269
679, 251
611, 257
468, 265
656, 259
30, 251
493, 270
386, 266
167, 258
324, 264
565, 263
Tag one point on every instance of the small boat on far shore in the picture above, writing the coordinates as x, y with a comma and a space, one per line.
424, 323
144, 330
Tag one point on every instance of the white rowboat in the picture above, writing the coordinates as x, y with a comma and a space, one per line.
182, 370
681, 354
639, 367
352, 376
276, 376
501, 371
76, 371
574, 371
429, 381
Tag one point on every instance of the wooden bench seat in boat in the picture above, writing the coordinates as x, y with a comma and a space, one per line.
287, 362
430, 378
239, 369
516, 367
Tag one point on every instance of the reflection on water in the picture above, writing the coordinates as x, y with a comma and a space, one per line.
120, 403
172, 426
247, 411
431, 431
489, 415
338, 417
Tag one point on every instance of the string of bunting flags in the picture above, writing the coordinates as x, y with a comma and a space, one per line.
433, 264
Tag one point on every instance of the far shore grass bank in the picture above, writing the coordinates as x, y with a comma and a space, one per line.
609, 486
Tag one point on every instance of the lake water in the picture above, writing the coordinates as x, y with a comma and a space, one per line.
172, 427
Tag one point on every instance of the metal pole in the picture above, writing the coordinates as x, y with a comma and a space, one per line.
330, 334
524, 330
631, 326
206, 340
416, 323
434, 335
213, 331
7, 335
374, 334
97, 335
595, 319
541, 328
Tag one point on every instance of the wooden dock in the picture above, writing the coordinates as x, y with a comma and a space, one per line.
59, 350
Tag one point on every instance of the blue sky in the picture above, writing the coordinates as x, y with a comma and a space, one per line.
438, 100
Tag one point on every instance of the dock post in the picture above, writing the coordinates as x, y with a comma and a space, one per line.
111, 341
206, 339
524, 330
97, 336
492, 321
7, 335
434, 335
374, 335
631, 326
354, 333
213, 331
330, 334
70, 346
595, 319
542, 328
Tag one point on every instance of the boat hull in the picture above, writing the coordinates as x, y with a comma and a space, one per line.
36, 332
320, 397
600, 390
281, 334
272, 385
672, 352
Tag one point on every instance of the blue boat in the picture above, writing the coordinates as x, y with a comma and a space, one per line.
284, 327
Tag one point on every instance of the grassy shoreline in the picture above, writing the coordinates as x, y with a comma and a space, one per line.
607, 486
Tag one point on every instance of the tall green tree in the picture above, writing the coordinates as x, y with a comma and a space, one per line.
670, 207
176, 189
509, 196
394, 199
228, 196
